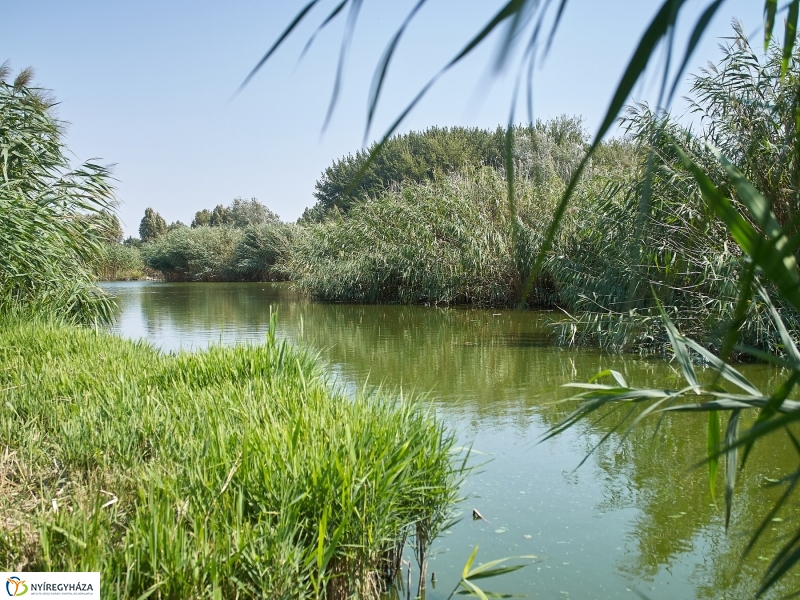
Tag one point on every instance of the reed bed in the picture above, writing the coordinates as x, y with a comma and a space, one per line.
121, 262
449, 241
47, 238
231, 472
220, 253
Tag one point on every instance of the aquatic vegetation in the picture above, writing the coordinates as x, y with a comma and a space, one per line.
232, 472
47, 241
448, 241
220, 253
120, 262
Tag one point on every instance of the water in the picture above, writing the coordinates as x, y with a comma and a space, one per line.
637, 516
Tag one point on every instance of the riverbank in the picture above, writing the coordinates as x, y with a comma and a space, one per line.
229, 471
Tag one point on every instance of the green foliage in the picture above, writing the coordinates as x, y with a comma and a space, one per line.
231, 472
414, 157
262, 251
175, 225
447, 241
651, 238
244, 213
152, 226
206, 253
241, 213
220, 216
193, 254
453, 239
202, 218
52, 223
120, 262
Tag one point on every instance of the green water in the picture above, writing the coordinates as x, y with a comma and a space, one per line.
635, 516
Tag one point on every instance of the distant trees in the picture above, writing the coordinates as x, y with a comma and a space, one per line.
415, 156
202, 218
152, 226
240, 214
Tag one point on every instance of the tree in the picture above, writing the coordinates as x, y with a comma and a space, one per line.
414, 156
152, 227
244, 213
202, 218
220, 216
176, 225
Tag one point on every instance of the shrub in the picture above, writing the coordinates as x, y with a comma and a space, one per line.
225, 253
262, 251
193, 254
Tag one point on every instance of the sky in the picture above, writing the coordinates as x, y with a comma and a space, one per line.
151, 86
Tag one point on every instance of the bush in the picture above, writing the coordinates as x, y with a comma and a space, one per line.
120, 262
193, 254
220, 253
262, 251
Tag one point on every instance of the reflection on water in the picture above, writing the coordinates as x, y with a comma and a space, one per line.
637, 515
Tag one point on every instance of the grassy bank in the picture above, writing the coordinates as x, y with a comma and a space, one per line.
232, 472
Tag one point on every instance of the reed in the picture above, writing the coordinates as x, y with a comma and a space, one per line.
220, 253
47, 241
232, 472
120, 262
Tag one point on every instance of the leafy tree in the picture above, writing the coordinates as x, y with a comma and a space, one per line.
133, 242
176, 225
414, 156
221, 215
152, 227
202, 218
244, 213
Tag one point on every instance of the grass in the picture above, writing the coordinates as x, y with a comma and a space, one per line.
232, 472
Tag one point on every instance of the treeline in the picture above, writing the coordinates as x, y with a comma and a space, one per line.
240, 242
431, 221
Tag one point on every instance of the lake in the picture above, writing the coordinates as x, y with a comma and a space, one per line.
636, 516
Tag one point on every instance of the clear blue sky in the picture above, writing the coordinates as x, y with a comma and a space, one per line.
147, 85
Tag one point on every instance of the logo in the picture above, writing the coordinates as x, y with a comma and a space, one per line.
16, 586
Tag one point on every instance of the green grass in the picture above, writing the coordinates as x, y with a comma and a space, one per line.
231, 472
